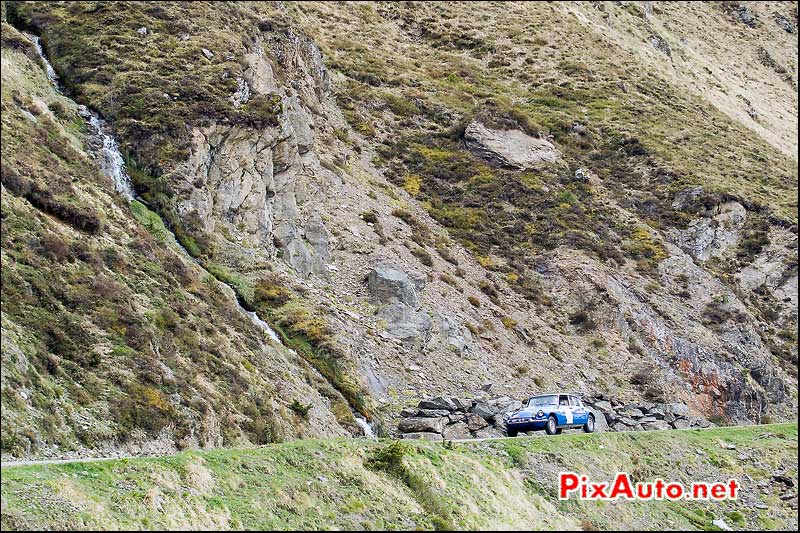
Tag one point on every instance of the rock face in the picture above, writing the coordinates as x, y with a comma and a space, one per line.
403, 323
743, 15
713, 235
250, 184
388, 284
509, 148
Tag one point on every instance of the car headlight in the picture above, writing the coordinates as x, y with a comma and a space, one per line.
540, 414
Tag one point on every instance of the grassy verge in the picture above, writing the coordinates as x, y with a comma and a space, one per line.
356, 484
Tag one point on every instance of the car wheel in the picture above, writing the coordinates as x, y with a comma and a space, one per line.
552, 426
512, 432
588, 427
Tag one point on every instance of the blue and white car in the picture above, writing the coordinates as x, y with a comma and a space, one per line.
550, 412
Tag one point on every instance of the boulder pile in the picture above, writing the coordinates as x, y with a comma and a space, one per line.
451, 418
646, 416
456, 418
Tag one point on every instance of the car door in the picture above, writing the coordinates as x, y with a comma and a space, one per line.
565, 415
579, 413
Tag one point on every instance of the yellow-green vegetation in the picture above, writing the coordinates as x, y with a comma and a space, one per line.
358, 484
411, 184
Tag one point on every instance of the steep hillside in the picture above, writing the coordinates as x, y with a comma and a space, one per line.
420, 198
111, 335
339, 484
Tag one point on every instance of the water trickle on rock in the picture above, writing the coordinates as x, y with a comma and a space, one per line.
111, 162
263, 325
51, 73
364, 425
100, 138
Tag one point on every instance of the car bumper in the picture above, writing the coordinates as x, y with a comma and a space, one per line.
526, 424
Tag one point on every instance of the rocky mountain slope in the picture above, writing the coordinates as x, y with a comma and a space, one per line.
337, 484
419, 198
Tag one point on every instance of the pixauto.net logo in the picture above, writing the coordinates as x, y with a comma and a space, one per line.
579, 486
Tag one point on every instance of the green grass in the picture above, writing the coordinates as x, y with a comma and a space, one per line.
358, 484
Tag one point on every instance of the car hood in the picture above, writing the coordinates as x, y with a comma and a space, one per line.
533, 410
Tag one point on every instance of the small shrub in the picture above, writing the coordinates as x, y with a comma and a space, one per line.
448, 279
54, 248
597, 343
488, 288
412, 184
445, 254
370, 217
405, 216
522, 369
300, 409
717, 313
423, 256
474, 301
389, 458
508, 322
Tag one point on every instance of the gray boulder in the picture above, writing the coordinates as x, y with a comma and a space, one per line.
488, 433
677, 409
406, 324
457, 337
656, 425
457, 431
432, 413
456, 417
680, 423
698, 422
485, 411
508, 148
439, 402
603, 406
419, 424
784, 23
744, 15
388, 284
475, 422
462, 404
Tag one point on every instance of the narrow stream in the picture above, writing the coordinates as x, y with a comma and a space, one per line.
112, 164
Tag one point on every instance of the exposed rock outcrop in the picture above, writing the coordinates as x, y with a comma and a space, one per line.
389, 284
712, 235
509, 148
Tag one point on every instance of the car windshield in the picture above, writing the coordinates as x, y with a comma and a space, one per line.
541, 400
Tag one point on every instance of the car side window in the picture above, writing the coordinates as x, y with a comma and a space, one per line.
562, 400
574, 401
